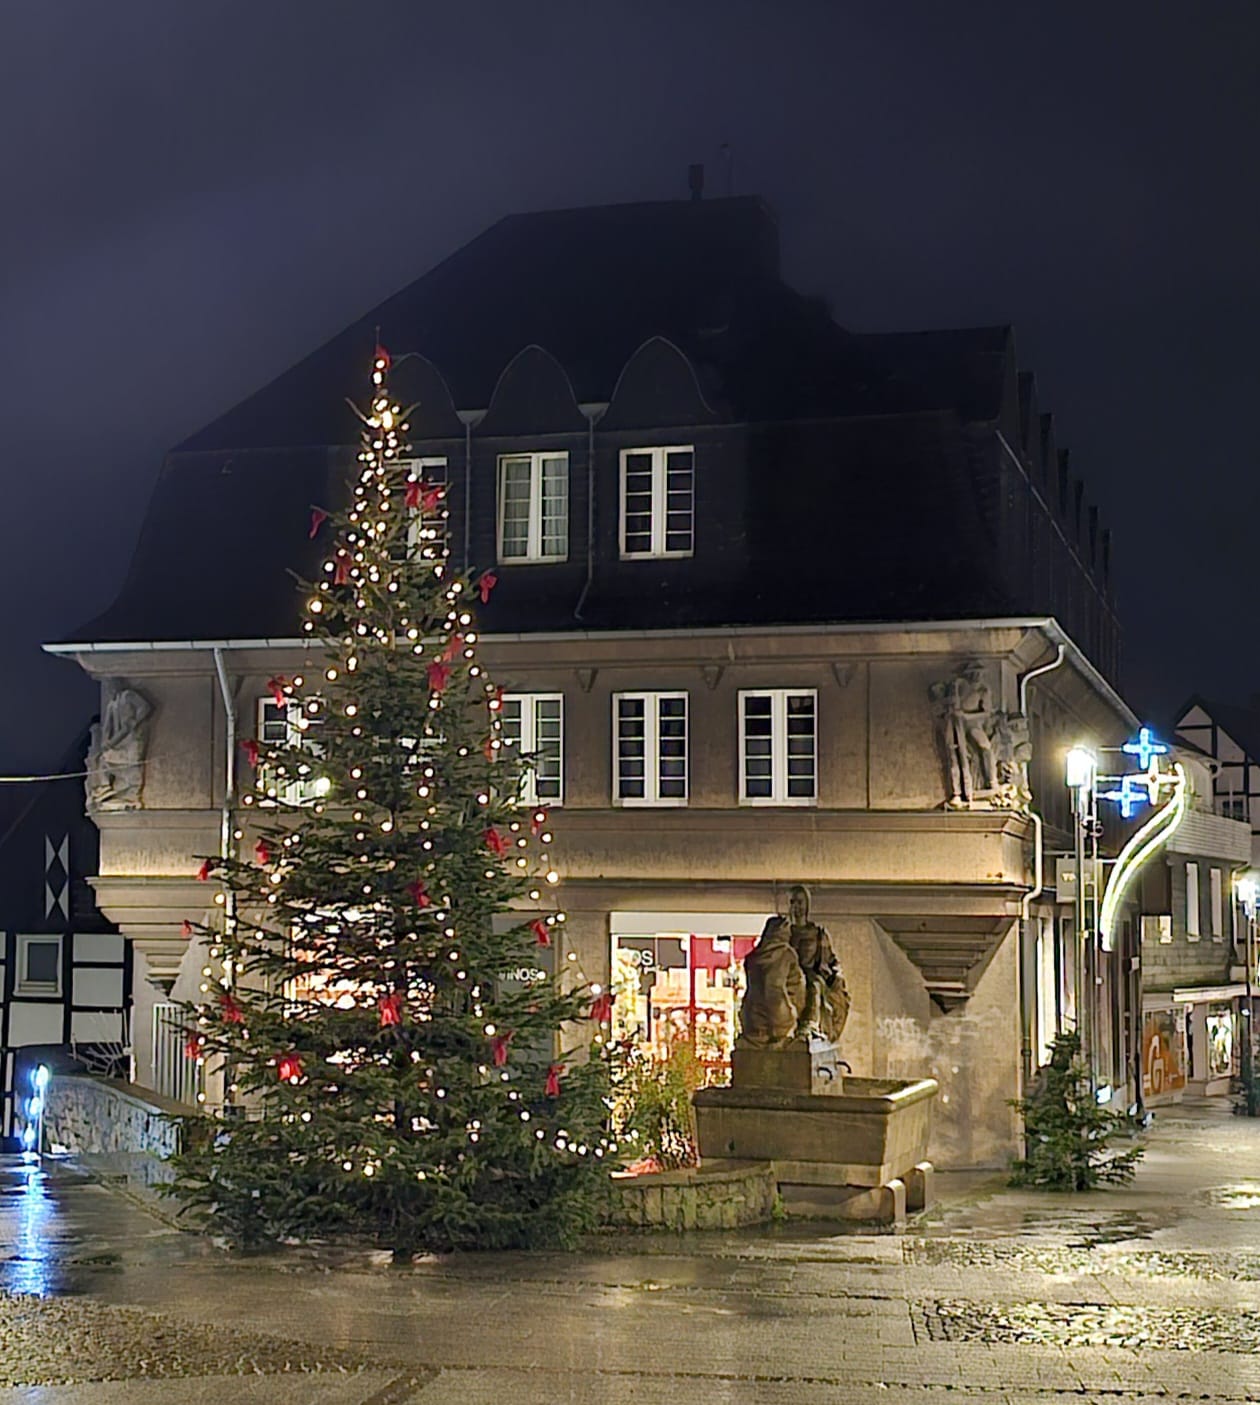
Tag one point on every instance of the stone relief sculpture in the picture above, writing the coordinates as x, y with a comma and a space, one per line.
795, 990
117, 746
984, 752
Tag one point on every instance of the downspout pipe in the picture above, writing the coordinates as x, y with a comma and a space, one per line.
469, 418
227, 822
1027, 949
594, 413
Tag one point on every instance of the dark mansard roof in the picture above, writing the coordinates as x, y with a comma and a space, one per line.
888, 517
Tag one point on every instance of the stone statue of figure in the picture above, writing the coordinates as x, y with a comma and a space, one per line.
964, 720
1012, 750
775, 998
826, 995
116, 751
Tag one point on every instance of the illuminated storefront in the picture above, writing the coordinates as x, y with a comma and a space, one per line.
679, 977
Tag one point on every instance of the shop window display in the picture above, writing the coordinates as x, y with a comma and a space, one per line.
680, 987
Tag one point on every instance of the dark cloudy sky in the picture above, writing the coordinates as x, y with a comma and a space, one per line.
196, 192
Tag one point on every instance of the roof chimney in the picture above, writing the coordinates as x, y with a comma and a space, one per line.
695, 180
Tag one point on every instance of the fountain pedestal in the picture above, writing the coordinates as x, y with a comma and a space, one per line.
852, 1148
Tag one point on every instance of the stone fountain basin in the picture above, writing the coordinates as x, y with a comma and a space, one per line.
871, 1132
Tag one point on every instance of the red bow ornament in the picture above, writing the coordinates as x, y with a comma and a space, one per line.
541, 931
192, 1046
230, 1010
289, 1069
341, 570
486, 584
203, 873
601, 1008
552, 1089
439, 676
489, 749
419, 893
432, 495
499, 1048
276, 686
185, 928
250, 747
495, 842
390, 1007
318, 518
454, 648
412, 494
382, 358
261, 852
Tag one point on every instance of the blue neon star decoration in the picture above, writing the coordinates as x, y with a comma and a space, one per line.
1134, 792
1145, 748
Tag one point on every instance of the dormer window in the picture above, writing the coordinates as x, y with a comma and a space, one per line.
533, 507
657, 502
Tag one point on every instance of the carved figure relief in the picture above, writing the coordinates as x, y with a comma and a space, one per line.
984, 752
117, 747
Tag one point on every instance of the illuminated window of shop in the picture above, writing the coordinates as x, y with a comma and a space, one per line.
1219, 1026
676, 988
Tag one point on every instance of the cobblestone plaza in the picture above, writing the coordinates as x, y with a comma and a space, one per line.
1150, 1293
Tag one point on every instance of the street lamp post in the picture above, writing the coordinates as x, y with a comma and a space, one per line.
1082, 772
1248, 895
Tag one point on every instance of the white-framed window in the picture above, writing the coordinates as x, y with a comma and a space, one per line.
649, 748
778, 747
534, 507
427, 531
533, 723
288, 725
38, 965
1192, 901
658, 501
1216, 903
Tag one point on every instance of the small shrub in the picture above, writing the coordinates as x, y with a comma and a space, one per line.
652, 1104
1067, 1135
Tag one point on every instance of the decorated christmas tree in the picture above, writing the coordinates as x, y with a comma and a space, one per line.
401, 1044
1068, 1137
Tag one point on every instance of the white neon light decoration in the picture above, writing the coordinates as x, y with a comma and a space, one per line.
1141, 846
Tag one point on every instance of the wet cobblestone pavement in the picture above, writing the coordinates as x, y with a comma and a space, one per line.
1143, 1294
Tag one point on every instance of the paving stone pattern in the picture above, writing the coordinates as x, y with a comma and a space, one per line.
1145, 1294
64, 1341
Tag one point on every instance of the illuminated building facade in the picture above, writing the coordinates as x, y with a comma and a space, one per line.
777, 603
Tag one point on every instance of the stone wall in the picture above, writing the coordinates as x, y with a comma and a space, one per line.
696, 1198
113, 1128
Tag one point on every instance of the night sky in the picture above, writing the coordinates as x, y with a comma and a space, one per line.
196, 194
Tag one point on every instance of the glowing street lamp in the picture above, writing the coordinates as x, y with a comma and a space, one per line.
33, 1132
1082, 767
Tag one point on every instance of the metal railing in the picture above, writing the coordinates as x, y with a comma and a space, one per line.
175, 1075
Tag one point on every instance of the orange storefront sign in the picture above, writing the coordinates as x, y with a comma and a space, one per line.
1163, 1057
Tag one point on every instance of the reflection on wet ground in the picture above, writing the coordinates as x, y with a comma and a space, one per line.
60, 1231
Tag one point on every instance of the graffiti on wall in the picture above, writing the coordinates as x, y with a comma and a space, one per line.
940, 1048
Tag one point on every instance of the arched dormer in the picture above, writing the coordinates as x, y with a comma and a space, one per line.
533, 396
658, 387
416, 382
